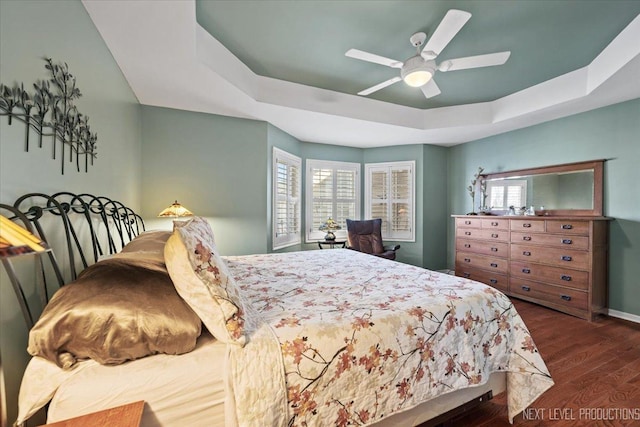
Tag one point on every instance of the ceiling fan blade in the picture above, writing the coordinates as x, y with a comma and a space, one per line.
477, 61
370, 57
452, 22
430, 89
379, 86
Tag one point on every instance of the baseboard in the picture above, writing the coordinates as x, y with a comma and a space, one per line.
625, 316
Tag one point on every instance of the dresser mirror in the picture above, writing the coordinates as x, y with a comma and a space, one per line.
573, 189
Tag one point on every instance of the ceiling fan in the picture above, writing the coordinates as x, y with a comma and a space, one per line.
418, 71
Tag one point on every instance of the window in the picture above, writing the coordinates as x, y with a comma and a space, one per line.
332, 190
389, 194
287, 186
503, 194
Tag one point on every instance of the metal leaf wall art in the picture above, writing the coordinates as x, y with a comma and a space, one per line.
50, 111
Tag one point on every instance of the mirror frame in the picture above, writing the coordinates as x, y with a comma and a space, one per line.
596, 165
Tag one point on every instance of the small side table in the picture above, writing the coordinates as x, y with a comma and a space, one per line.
128, 415
332, 243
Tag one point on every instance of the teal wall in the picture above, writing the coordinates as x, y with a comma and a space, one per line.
611, 133
435, 211
62, 30
216, 166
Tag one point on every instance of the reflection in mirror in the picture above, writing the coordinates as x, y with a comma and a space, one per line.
504, 193
571, 189
567, 190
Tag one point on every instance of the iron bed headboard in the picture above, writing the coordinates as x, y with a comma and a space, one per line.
82, 227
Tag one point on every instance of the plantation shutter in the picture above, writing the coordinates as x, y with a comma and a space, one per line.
379, 204
345, 207
514, 196
333, 191
390, 196
287, 184
401, 203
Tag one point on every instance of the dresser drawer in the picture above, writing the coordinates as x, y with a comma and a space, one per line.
556, 261
527, 225
495, 224
562, 241
475, 233
469, 222
554, 275
496, 280
553, 256
499, 249
552, 294
568, 227
468, 259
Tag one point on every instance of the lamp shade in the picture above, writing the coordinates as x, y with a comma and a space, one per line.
176, 210
16, 240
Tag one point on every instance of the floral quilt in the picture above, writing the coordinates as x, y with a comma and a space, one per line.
361, 338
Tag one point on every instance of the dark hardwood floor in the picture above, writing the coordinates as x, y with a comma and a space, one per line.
595, 366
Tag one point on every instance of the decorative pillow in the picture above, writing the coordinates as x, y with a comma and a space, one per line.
149, 241
119, 309
202, 279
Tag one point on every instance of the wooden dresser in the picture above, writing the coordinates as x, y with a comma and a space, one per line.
558, 262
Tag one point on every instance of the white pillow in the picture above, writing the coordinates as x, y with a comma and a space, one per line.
202, 279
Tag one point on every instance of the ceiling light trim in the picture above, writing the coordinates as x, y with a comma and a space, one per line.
616, 55
170, 61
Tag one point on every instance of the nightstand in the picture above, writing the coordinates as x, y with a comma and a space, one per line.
128, 415
332, 243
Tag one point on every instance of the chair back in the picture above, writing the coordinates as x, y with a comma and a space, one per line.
366, 235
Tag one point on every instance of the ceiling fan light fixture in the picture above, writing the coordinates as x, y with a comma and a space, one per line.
418, 78
416, 71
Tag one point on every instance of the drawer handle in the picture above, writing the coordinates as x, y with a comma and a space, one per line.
527, 238
566, 258
566, 278
567, 241
526, 253
566, 297
468, 233
494, 224
467, 222
494, 281
526, 288
467, 245
494, 249
526, 225
494, 265
467, 260
567, 226
494, 235
466, 275
526, 271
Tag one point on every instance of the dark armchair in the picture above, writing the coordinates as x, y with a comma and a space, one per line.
366, 236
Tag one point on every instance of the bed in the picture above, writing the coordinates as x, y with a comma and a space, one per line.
311, 338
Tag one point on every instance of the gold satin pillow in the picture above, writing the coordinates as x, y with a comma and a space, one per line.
119, 309
149, 241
